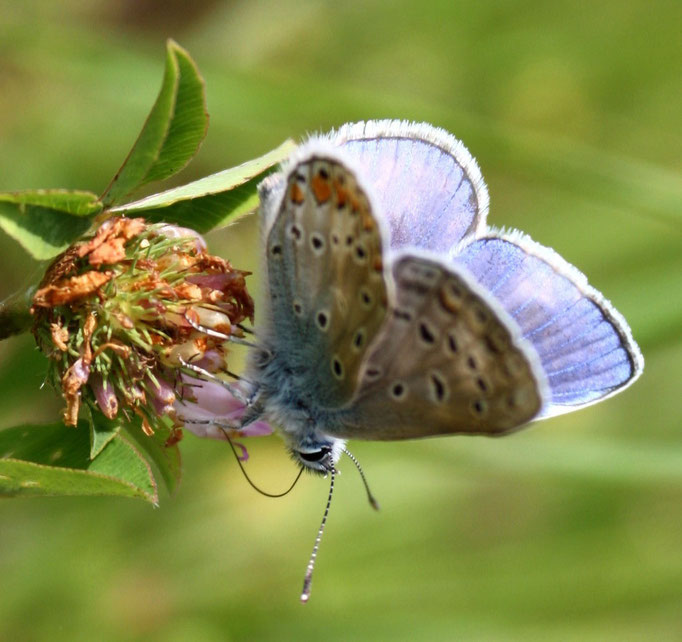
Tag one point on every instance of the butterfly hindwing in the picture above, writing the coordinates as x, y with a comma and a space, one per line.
585, 346
326, 283
448, 360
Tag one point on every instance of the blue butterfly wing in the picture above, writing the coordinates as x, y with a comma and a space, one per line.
425, 182
585, 346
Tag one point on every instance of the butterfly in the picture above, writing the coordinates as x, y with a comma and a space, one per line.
393, 311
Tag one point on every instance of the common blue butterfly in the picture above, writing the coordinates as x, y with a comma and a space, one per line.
394, 312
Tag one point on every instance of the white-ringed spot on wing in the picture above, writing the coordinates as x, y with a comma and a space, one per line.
438, 387
276, 250
426, 334
322, 320
359, 339
366, 298
398, 391
295, 233
317, 244
478, 407
451, 345
337, 367
360, 254
482, 384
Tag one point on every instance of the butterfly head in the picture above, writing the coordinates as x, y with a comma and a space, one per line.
319, 455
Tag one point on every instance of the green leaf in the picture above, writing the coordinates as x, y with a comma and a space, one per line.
102, 430
76, 202
213, 201
173, 131
166, 458
55, 460
46, 222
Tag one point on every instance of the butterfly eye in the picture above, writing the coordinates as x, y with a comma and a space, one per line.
316, 455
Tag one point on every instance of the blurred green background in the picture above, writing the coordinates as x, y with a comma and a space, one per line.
571, 530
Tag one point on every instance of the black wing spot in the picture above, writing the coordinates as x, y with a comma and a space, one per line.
337, 368
276, 250
372, 373
438, 386
317, 241
479, 407
452, 344
471, 362
426, 334
402, 315
322, 320
359, 339
366, 297
295, 232
398, 391
482, 384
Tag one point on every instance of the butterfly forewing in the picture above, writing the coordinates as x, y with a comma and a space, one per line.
425, 181
448, 360
324, 257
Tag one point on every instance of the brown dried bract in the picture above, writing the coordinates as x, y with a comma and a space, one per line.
60, 336
72, 381
107, 244
110, 252
188, 291
68, 290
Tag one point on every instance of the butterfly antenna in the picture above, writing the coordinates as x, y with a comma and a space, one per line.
372, 500
248, 479
307, 580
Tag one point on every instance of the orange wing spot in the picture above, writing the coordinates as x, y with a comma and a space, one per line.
367, 223
354, 203
341, 194
378, 264
449, 302
297, 195
321, 189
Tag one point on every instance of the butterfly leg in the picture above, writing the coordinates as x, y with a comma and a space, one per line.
219, 335
205, 375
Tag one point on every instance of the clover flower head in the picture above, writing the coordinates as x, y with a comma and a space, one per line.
119, 313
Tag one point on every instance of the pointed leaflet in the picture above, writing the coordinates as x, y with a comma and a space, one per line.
54, 460
46, 222
173, 131
213, 201
165, 458
102, 430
